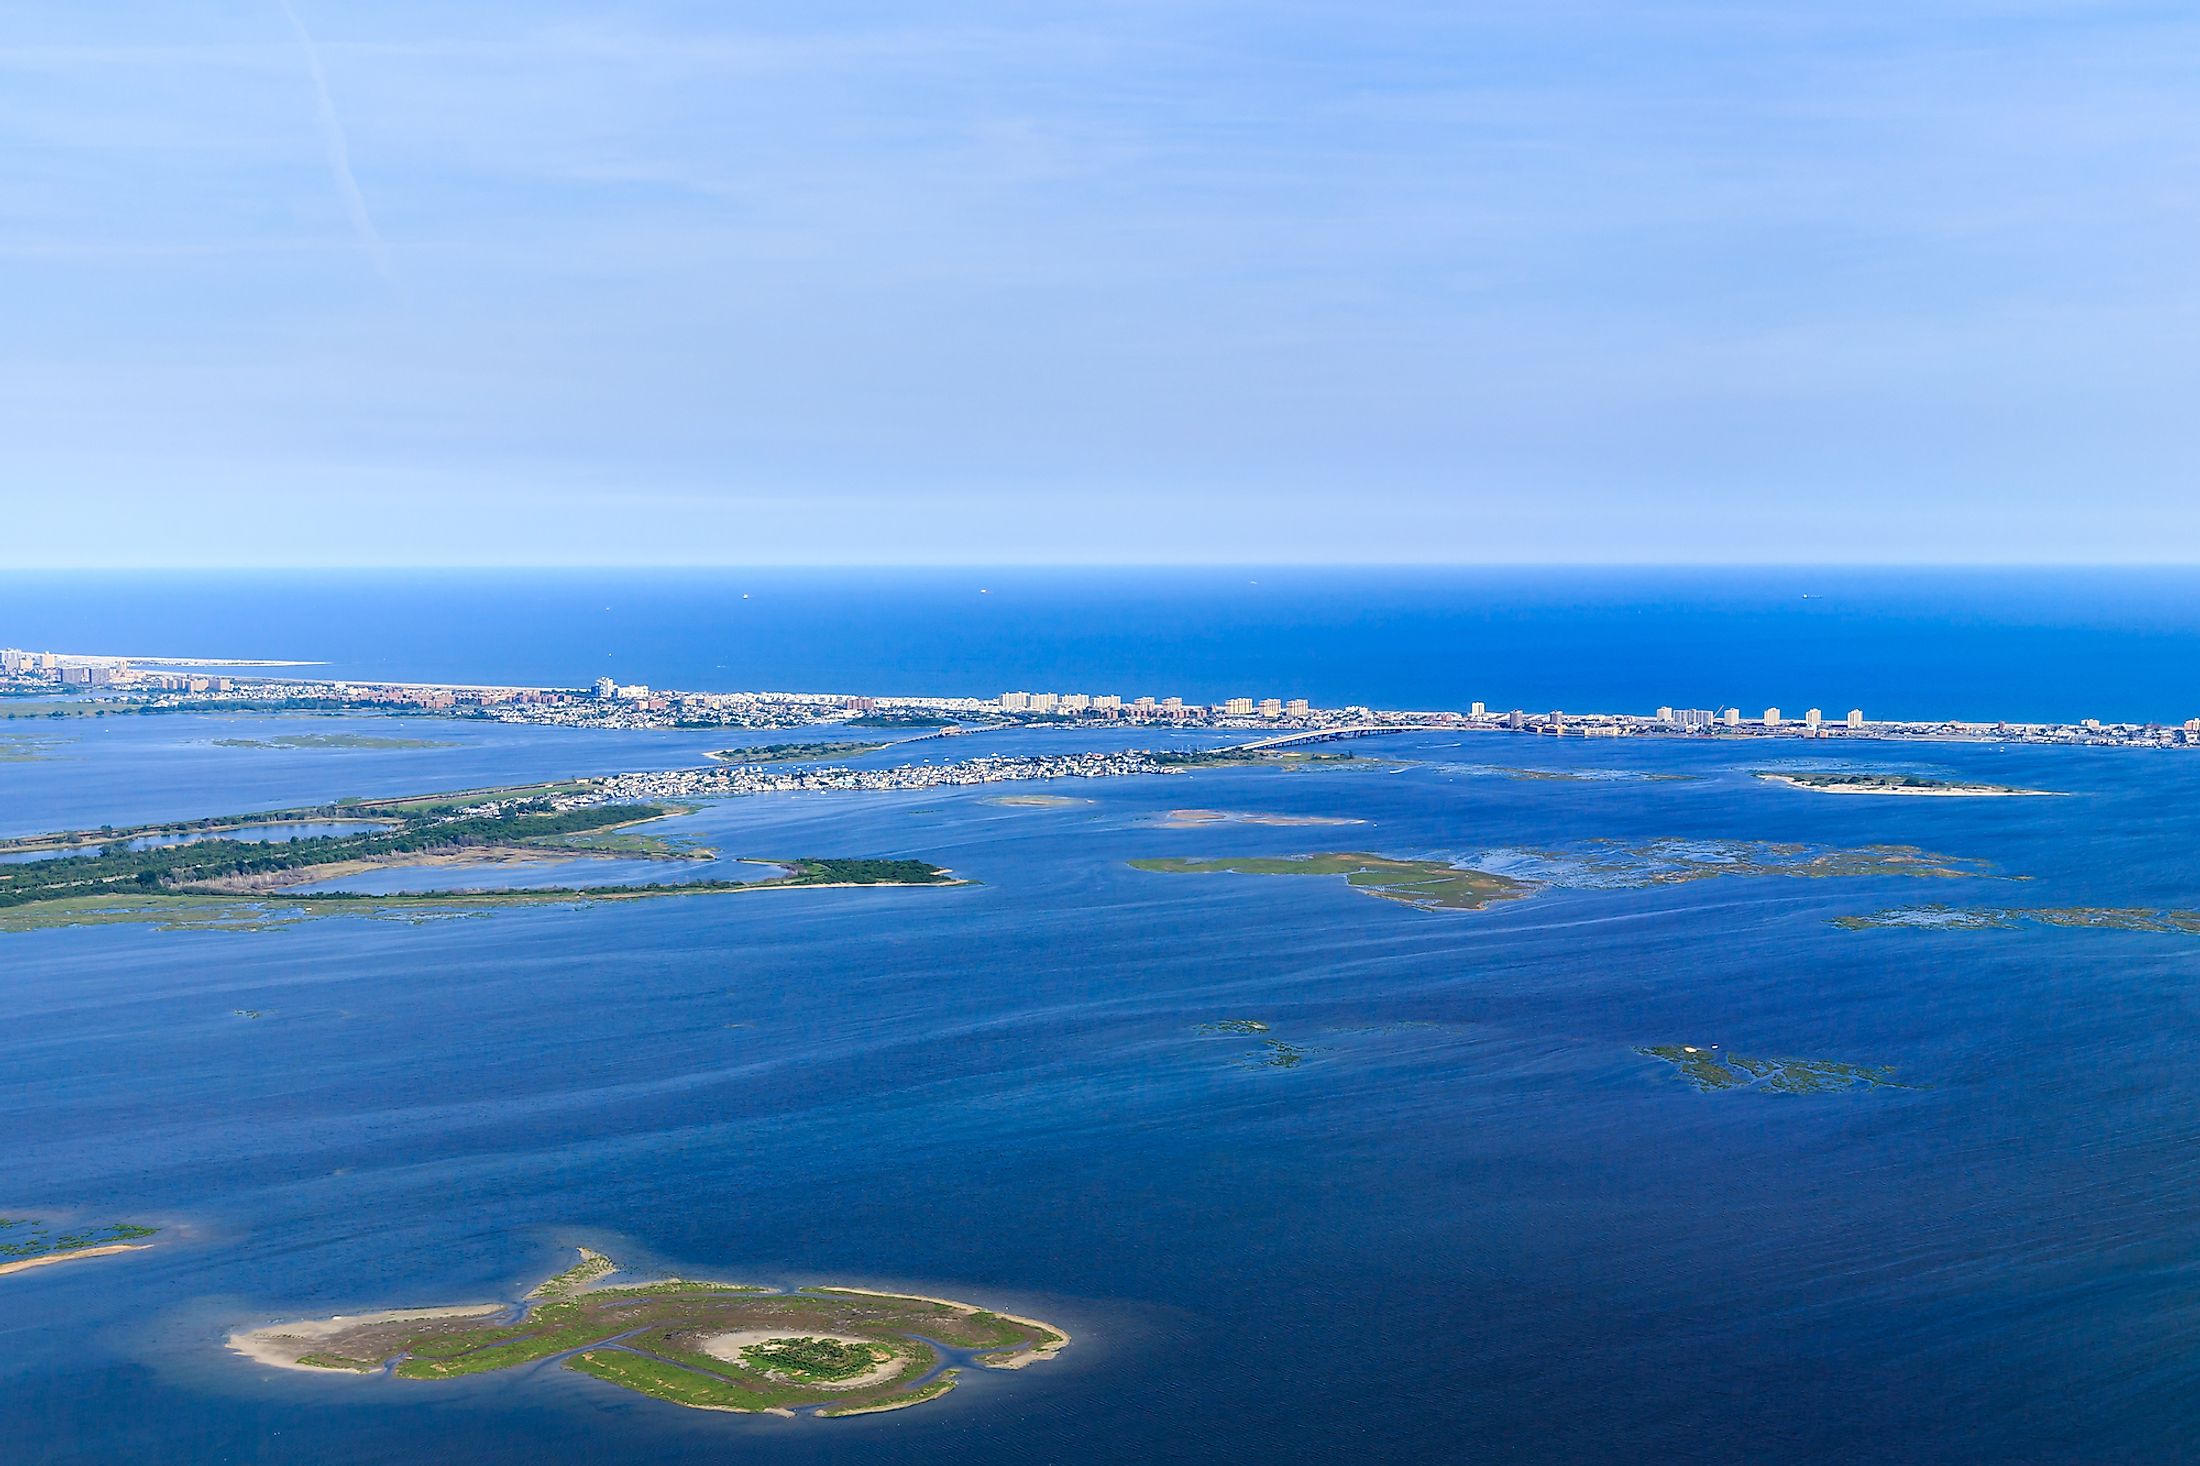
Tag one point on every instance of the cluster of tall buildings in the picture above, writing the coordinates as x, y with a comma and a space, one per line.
1732, 718
1109, 705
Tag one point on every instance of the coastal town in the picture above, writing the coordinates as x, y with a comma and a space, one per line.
34, 684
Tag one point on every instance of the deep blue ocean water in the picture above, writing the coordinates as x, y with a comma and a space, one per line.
2021, 644
1473, 1225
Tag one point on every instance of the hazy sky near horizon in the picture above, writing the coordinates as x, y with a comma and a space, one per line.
1126, 280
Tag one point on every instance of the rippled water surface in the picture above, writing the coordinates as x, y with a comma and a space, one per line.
1470, 1222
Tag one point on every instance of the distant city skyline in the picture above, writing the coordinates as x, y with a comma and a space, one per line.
296, 284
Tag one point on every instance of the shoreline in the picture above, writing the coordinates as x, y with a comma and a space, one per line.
262, 1345
70, 1255
1031, 1355
1897, 791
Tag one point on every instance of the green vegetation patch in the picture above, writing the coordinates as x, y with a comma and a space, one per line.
786, 753
166, 885
1431, 885
1275, 758
338, 1361
807, 1358
1624, 863
1710, 1068
660, 1379
23, 1238
1841, 781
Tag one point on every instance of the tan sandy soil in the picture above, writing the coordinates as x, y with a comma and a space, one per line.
280, 1344
25, 1264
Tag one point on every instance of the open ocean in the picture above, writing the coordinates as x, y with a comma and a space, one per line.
1474, 1224
2019, 644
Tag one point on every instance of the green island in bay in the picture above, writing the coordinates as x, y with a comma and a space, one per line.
1192, 819
1273, 758
1036, 801
27, 1243
1940, 918
1836, 781
1710, 1069
1433, 885
1623, 863
795, 753
203, 881
823, 1351
1440, 885
15, 748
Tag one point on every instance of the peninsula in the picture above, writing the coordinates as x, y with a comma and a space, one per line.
819, 1351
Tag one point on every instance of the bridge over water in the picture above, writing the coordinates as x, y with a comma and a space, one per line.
1324, 735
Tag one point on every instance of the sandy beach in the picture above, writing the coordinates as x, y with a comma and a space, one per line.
280, 1344
71, 1255
1018, 1361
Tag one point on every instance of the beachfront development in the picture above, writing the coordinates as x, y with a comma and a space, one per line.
64, 685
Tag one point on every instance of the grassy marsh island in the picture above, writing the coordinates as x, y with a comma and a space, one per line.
208, 882
1620, 863
710, 1346
2160, 920
15, 748
331, 740
1432, 885
1710, 1069
1848, 782
789, 753
1274, 758
26, 1243
1036, 801
215, 911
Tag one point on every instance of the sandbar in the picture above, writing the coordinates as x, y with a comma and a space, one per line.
70, 1255
1185, 819
278, 1344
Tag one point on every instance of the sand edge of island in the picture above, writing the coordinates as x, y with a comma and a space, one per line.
1016, 1361
70, 1255
1952, 791
271, 1343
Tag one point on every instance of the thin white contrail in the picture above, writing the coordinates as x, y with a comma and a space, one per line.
339, 153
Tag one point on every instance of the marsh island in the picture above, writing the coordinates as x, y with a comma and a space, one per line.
1710, 1068
26, 1243
710, 1346
200, 875
1434, 885
1842, 782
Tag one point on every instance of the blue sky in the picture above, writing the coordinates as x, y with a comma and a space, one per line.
1162, 281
